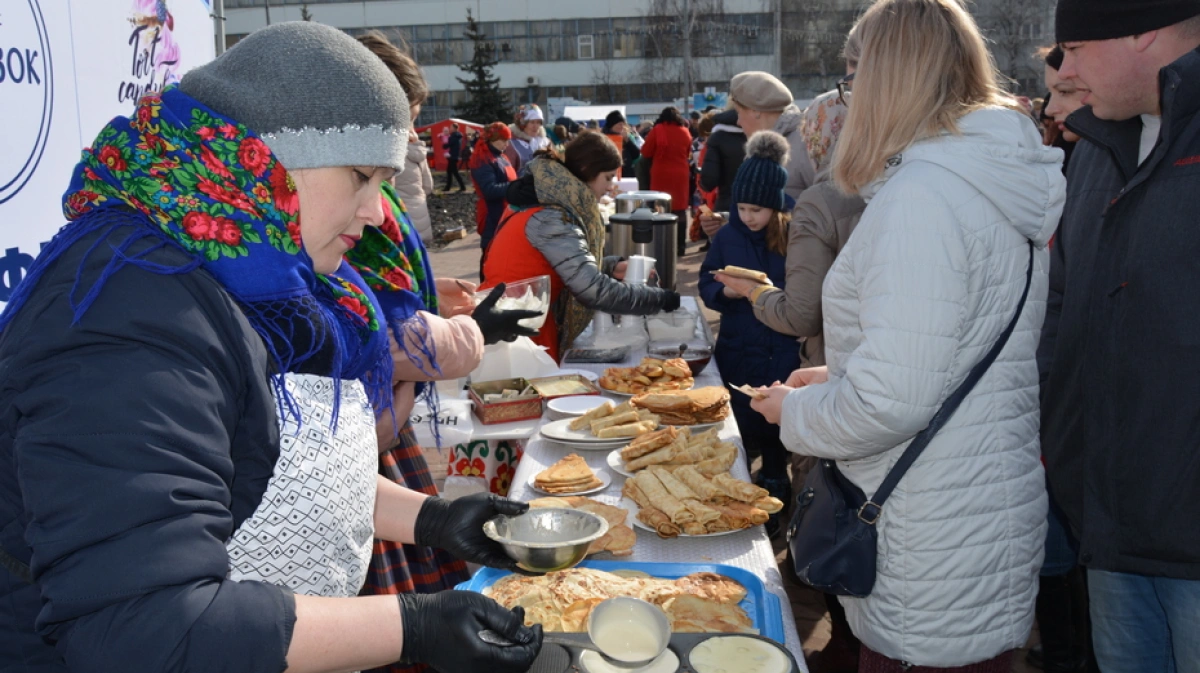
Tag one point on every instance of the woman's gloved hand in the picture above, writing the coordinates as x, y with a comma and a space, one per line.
457, 527
442, 630
672, 302
498, 325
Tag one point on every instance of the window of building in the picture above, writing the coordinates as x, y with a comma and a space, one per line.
586, 48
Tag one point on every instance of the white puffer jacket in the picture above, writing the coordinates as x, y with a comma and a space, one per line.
413, 184
926, 284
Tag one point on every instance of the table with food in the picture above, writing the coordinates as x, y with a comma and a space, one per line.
648, 481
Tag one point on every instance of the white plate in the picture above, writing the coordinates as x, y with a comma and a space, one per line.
620, 394
560, 431
631, 507
589, 375
605, 480
576, 405
618, 465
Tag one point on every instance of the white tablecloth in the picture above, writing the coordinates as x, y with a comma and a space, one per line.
748, 549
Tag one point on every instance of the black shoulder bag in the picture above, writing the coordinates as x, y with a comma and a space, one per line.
832, 538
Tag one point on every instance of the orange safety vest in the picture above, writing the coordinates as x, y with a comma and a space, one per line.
619, 141
511, 257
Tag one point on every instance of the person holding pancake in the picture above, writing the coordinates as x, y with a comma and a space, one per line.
747, 351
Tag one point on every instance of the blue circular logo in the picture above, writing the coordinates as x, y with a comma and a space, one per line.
26, 96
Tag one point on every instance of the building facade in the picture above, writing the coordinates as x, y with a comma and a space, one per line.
630, 51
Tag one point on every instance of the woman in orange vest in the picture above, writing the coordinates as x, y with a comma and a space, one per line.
553, 227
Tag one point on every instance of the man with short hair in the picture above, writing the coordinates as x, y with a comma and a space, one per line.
453, 152
1120, 351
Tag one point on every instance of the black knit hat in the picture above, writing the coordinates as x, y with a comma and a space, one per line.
615, 117
1086, 20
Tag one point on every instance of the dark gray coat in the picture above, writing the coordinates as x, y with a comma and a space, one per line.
726, 151
1120, 351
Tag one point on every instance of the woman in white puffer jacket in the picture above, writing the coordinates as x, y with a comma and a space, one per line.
957, 184
414, 184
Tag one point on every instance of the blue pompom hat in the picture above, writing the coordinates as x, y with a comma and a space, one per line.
761, 177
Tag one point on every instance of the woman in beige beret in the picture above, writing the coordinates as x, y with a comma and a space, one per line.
765, 104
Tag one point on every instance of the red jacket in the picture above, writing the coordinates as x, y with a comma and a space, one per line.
668, 147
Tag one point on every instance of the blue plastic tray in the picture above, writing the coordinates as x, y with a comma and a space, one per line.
761, 605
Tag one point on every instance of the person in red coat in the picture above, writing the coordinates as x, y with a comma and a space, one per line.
669, 146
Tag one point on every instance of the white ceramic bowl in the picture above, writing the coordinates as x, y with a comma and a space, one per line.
576, 405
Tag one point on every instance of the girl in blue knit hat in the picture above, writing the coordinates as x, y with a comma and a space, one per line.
747, 351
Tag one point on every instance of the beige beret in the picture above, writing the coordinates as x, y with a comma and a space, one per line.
761, 91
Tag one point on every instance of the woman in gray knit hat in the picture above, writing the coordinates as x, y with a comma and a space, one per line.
156, 517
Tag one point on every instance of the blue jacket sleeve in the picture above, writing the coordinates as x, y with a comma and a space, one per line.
712, 292
490, 186
123, 459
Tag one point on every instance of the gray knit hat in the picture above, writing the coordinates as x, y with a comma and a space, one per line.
761, 91
314, 95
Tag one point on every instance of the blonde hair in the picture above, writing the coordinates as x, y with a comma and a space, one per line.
852, 50
924, 65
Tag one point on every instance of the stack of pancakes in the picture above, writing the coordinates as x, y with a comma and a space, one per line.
687, 407
569, 475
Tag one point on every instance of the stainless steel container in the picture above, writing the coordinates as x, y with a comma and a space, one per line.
657, 227
546, 539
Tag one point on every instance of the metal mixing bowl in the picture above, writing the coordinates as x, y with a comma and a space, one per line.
546, 539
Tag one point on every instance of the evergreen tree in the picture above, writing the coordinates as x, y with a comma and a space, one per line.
485, 102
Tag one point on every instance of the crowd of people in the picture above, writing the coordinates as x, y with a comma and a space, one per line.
206, 396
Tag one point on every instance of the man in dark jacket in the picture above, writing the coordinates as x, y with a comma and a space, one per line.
726, 151
1120, 351
454, 148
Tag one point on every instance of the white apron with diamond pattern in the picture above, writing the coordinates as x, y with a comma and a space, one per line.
313, 530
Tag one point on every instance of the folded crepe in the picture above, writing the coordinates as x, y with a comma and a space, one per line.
659, 521
734, 518
703, 513
690, 455
704, 488
614, 419
676, 488
571, 469
596, 414
656, 457
649, 443
694, 528
738, 489
741, 510
659, 498
768, 504
629, 430
719, 525
572, 488
719, 464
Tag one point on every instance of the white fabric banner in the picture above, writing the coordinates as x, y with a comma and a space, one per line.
66, 68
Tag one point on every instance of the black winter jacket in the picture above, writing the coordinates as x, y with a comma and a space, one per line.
1120, 351
133, 444
726, 151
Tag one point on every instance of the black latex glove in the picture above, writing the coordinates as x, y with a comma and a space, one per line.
497, 325
442, 630
672, 302
457, 527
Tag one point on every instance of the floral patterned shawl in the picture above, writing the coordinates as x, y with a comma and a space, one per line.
820, 126
209, 186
